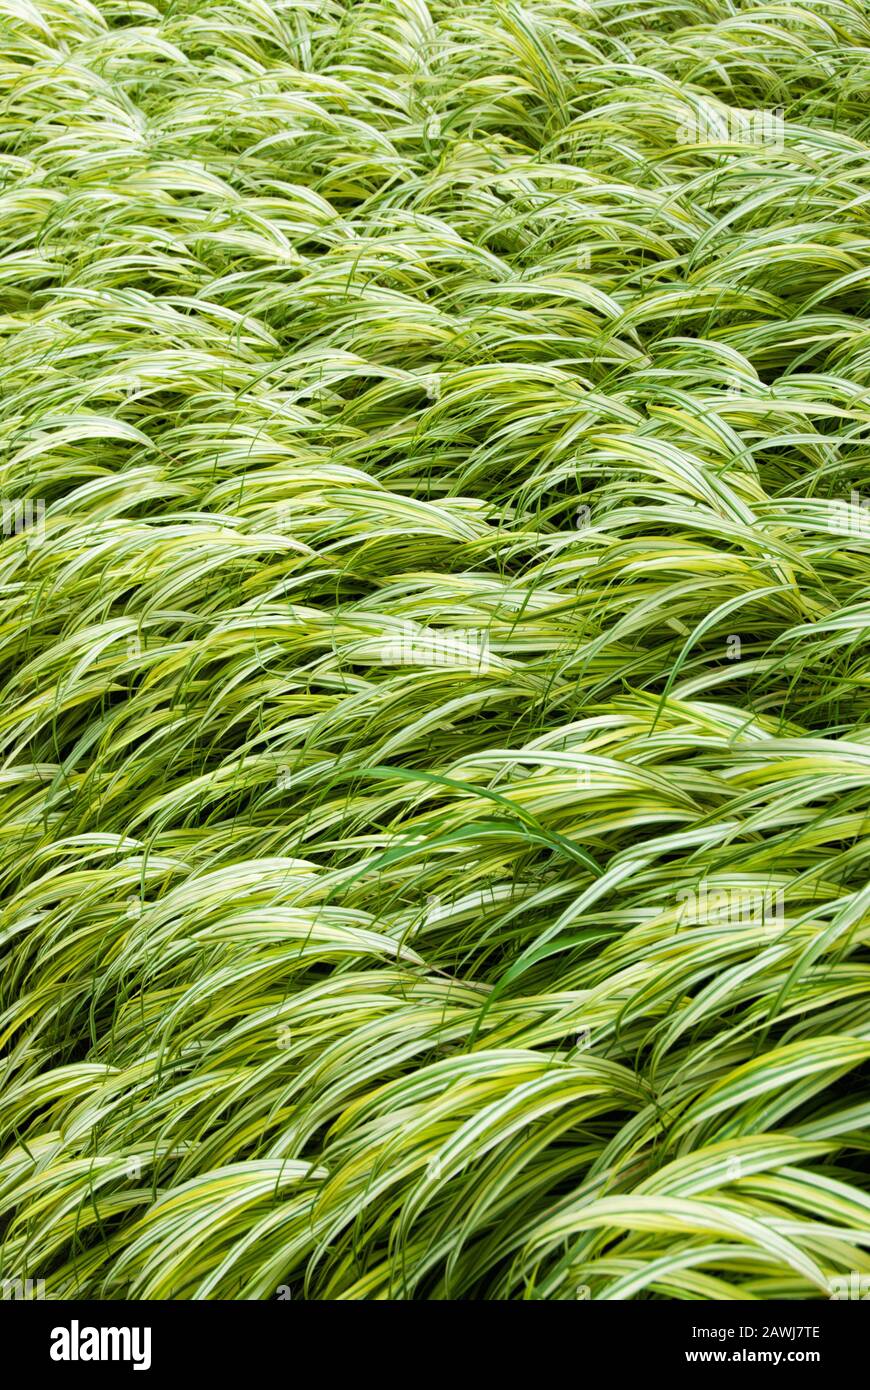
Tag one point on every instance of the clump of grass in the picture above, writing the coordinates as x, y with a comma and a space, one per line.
433, 610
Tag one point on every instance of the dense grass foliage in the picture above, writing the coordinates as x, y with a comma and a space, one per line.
433, 604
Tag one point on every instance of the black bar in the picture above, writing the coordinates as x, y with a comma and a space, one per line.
636, 1338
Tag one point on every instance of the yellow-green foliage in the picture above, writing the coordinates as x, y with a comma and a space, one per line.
434, 597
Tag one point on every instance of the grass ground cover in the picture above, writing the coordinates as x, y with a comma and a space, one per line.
434, 597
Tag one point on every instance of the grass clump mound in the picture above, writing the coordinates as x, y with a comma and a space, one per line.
433, 605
